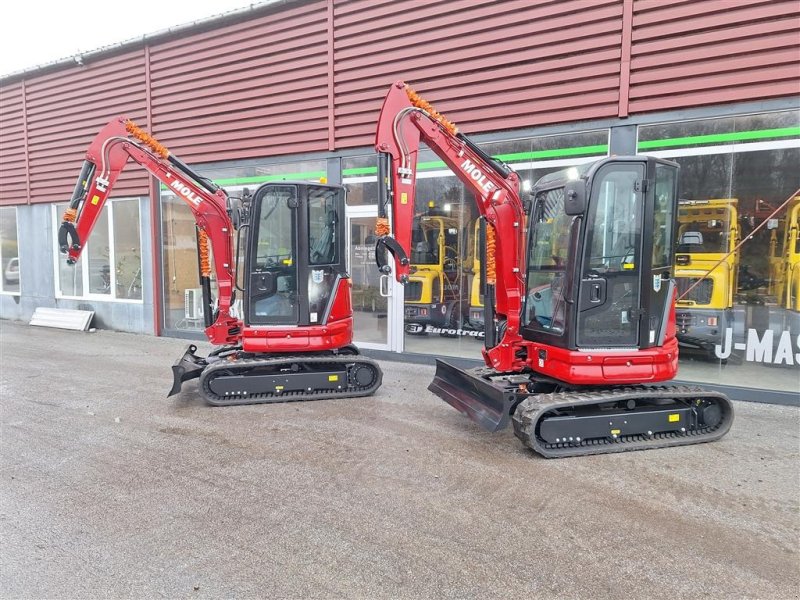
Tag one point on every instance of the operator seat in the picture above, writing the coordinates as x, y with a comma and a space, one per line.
421, 254
690, 241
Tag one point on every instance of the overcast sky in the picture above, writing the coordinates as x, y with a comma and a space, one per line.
37, 32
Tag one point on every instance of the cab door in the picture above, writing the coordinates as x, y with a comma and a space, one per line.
272, 295
609, 301
659, 226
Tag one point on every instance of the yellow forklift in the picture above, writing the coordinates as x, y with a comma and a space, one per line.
784, 263
435, 295
707, 231
475, 289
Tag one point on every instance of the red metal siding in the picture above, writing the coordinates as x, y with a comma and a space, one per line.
66, 109
310, 76
13, 168
487, 65
687, 53
252, 89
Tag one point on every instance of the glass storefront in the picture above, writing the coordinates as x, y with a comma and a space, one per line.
371, 291
110, 267
9, 250
183, 309
735, 322
359, 174
738, 317
370, 307
443, 308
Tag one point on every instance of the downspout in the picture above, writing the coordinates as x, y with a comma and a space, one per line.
155, 212
625, 62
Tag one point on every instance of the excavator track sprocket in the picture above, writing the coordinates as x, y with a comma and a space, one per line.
577, 423
296, 378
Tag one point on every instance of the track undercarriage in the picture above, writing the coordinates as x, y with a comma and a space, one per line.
229, 376
557, 422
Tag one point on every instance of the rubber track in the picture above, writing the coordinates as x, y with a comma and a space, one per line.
351, 391
530, 410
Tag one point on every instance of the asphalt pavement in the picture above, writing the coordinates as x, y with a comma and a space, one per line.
110, 489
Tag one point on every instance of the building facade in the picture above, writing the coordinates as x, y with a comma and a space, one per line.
292, 90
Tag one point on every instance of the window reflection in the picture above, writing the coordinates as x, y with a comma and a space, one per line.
98, 253
740, 318
110, 265
9, 251
127, 250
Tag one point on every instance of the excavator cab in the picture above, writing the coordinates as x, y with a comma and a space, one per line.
296, 339
295, 255
594, 278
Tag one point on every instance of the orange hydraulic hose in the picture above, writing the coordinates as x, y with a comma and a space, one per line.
205, 253
382, 227
147, 139
491, 245
70, 215
420, 102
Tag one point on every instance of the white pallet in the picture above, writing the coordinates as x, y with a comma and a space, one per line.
63, 318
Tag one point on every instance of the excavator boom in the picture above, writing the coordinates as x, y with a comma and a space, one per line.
121, 141
405, 120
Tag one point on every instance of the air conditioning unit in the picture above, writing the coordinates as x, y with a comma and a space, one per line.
193, 304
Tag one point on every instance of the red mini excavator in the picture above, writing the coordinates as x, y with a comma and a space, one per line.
579, 303
291, 338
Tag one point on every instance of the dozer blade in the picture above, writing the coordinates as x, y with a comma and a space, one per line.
473, 393
188, 366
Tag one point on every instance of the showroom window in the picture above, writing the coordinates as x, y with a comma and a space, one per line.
443, 312
447, 316
359, 175
737, 318
183, 307
9, 251
110, 266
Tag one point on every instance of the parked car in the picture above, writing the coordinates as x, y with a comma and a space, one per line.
11, 272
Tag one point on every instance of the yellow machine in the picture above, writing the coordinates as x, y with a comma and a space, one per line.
707, 232
784, 269
433, 294
475, 295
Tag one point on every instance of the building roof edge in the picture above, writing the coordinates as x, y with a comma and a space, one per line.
212, 22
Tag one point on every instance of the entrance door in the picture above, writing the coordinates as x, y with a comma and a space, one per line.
377, 299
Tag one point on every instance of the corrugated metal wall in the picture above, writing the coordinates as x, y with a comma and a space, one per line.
258, 88
13, 163
688, 53
487, 65
310, 76
66, 109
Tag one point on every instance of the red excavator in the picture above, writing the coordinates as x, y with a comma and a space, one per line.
291, 338
579, 302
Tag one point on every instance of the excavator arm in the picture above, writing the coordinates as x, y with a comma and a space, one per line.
122, 140
405, 120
